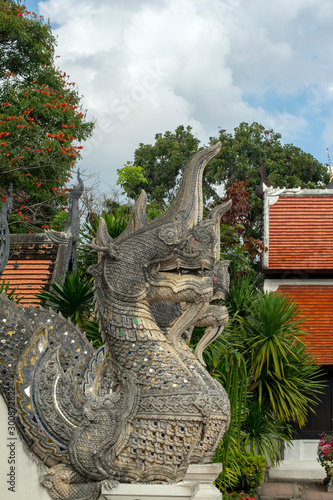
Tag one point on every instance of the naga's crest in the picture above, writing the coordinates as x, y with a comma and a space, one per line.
174, 258
142, 408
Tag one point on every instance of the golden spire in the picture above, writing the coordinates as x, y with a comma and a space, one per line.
329, 164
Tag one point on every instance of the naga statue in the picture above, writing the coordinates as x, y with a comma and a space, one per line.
143, 407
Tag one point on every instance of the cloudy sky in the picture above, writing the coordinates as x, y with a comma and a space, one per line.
147, 66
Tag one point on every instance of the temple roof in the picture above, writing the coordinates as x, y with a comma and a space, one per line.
298, 230
34, 261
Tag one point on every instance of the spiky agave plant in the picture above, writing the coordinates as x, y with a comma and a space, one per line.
11, 293
73, 298
283, 373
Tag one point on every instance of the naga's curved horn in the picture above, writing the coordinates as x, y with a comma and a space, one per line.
220, 210
102, 239
216, 215
189, 199
102, 243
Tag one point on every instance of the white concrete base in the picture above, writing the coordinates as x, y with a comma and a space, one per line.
179, 491
300, 462
197, 485
24, 478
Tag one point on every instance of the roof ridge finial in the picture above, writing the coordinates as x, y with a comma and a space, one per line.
263, 179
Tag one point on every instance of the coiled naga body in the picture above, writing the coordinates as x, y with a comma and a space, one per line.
143, 407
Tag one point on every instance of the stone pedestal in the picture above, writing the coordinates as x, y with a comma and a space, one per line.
205, 475
197, 485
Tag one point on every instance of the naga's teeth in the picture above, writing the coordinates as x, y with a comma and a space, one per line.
156, 270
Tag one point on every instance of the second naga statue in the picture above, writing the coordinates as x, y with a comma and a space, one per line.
142, 408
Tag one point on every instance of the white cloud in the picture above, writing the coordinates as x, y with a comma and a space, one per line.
145, 67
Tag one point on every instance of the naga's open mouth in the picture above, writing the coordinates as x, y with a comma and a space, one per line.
191, 265
203, 271
218, 297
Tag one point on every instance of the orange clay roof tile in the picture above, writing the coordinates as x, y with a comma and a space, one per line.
315, 301
300, 233
30, 267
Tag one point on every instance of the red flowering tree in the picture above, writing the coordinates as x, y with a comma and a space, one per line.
243, 251
41, 121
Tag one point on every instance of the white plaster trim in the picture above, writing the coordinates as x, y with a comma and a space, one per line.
271, 285
137, 491
273, 193
298, 192
266, 227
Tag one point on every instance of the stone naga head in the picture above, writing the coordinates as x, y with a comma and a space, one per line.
171, 258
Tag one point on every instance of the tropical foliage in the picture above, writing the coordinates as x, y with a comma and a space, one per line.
262, 348
11, 293
263, 432
73, 298
248, 473
272, 338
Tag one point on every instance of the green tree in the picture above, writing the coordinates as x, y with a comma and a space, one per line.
73, 298
41, 120
238, 160
163, 162
242, 251
130, 177
286, 165
26, 43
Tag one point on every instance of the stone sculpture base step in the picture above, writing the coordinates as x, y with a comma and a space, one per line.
197, 485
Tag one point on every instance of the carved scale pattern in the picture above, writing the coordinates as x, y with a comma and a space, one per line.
171, 384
